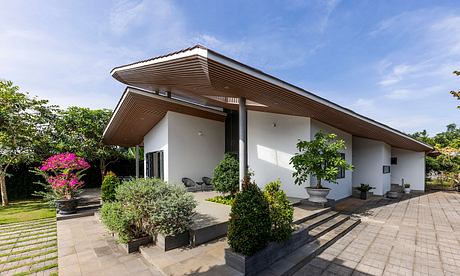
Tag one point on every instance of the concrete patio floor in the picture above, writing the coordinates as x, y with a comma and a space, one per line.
416, 235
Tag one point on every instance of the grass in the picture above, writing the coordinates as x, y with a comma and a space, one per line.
29, 235
43, 268
29, 256
29, 264
227, 200
19, 240
437, 185
19, 211
28, 249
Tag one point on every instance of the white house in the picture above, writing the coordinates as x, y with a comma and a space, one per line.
189, 107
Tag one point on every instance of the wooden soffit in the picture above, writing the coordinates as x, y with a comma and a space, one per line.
139, 111
206, 77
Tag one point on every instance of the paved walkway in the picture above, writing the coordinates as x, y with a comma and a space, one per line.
28, 248
413, 236
86, 248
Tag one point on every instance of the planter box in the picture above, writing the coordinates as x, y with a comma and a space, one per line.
170, 242
133, 245
251, 265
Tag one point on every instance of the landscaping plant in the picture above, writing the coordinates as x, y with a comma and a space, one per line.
63, 173
148, 207
226, 175
227, 199
281, 211
249, 225
109, 184
319, 157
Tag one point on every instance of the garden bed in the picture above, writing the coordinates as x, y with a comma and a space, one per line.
251, 265
167, 243
133, 245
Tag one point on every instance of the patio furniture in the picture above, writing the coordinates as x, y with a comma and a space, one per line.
207, 186
191, 185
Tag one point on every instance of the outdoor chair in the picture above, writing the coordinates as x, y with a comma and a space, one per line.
191, 186
207, 184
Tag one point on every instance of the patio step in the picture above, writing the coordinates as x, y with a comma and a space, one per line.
322, 238
313, 214
319, 219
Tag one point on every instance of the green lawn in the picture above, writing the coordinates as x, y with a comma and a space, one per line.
19, 211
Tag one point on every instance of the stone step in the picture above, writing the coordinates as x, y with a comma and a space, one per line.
316, 221
311, 215
328, 225
300, 257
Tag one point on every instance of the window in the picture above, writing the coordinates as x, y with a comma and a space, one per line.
154, 164
341, 173
386, 169
394, 160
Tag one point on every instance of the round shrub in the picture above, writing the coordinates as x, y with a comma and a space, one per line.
226, 175
109, 184
249, 224
158, 207
281, 211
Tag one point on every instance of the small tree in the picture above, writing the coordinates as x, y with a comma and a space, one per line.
226, 175
24, 130
320, 157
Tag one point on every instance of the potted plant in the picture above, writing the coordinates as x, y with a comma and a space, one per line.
322, 159
364, 189
63, 173
406, 188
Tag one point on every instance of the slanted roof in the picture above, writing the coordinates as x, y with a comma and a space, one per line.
138, 111
208, 78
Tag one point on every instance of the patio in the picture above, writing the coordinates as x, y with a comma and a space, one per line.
417, 235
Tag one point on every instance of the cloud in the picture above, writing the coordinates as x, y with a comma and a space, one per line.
125, 14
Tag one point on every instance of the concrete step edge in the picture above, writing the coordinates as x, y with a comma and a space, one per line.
299, 221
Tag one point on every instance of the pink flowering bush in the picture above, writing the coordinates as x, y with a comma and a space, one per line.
63, 172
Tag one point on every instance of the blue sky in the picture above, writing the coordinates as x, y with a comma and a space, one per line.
389, 60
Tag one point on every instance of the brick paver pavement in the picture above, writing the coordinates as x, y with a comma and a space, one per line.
419, 235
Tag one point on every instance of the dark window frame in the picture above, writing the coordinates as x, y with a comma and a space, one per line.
155, 164
386, 169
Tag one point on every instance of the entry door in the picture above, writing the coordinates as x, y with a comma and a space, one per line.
154, 164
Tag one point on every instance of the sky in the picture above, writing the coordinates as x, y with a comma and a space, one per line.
388, 60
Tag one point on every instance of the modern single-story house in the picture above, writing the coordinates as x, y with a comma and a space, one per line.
189, 107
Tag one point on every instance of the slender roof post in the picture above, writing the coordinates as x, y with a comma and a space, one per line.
243, 145
137, 161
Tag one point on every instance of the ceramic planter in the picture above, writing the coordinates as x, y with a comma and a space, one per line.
406, 190
67, 206
317, 195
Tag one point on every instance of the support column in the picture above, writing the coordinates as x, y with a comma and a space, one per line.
137, 161
243, 146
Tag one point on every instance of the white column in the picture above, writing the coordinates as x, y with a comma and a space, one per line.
243, 146
137, 161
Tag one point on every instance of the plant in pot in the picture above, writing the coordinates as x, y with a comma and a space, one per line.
63, 173
364, 189
322, 159
406, 188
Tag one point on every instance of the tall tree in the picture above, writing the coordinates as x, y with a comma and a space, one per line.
456, 94
80, 130
25, 130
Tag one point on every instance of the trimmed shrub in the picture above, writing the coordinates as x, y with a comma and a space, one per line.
226, 175
109, 184
148, 206
249, 224
281, 211
227, 199
120, 221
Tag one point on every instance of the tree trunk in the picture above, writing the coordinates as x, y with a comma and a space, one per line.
102, 167
3, 190
318, 183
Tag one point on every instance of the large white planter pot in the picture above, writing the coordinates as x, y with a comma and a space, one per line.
318, 195
406, 190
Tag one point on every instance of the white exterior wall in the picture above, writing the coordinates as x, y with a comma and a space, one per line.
190, 154
185, 152
155, 140
344, 187
369, 157
270, 148
410, 166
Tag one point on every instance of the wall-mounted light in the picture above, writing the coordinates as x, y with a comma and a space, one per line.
274, 124
200, 133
